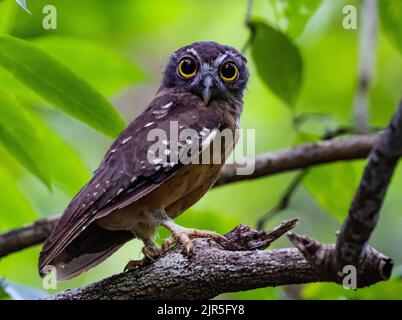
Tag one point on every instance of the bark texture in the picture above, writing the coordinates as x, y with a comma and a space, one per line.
364, 212
27, 236
213, 270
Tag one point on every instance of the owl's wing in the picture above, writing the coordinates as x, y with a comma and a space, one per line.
125, 174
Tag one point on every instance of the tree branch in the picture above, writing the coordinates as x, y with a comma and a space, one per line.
364, 211
302, 156
27, 236
212, 270
266, 164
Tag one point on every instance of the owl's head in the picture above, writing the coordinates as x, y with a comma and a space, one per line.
209, 70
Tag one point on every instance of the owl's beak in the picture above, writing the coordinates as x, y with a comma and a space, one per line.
206, 92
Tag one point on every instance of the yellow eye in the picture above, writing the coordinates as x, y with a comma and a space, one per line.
229, 71
187, 68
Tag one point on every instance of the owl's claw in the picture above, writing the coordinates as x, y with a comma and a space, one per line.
150, 251
136, 264
167, 244
183, 237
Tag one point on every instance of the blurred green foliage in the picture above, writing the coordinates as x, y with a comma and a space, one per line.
329, 291
19, 129
106, 56
390, 13
279, 65
58, 85
292, 16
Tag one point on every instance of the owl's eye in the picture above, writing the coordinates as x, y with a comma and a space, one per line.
187, 68
229, 71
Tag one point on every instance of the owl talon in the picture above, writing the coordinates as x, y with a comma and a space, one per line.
167, 244
209, 234
186, 244
136, 264
151, 251
183, 237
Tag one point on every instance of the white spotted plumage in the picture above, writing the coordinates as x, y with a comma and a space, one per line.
126, 140
166, 106
148, 124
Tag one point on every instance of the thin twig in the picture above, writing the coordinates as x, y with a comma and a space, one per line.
284, 200
367, 50
249, 25
249, 10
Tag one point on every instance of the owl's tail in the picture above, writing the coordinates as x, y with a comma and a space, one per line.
91, 247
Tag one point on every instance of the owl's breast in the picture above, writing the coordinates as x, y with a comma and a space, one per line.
177, 193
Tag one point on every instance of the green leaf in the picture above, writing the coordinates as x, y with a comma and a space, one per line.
294, 15
10, 84
20, 137
278, 62
390, 15
58, 85
66, 168
333, 186
89, 60
390, 290
15, 209
7, 14
56, 158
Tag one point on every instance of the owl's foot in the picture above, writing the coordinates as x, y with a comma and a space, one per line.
182, 236
150, 251
136, 264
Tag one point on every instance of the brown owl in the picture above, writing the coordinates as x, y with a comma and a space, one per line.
142, 184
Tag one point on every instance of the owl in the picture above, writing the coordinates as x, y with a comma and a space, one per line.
142, 183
